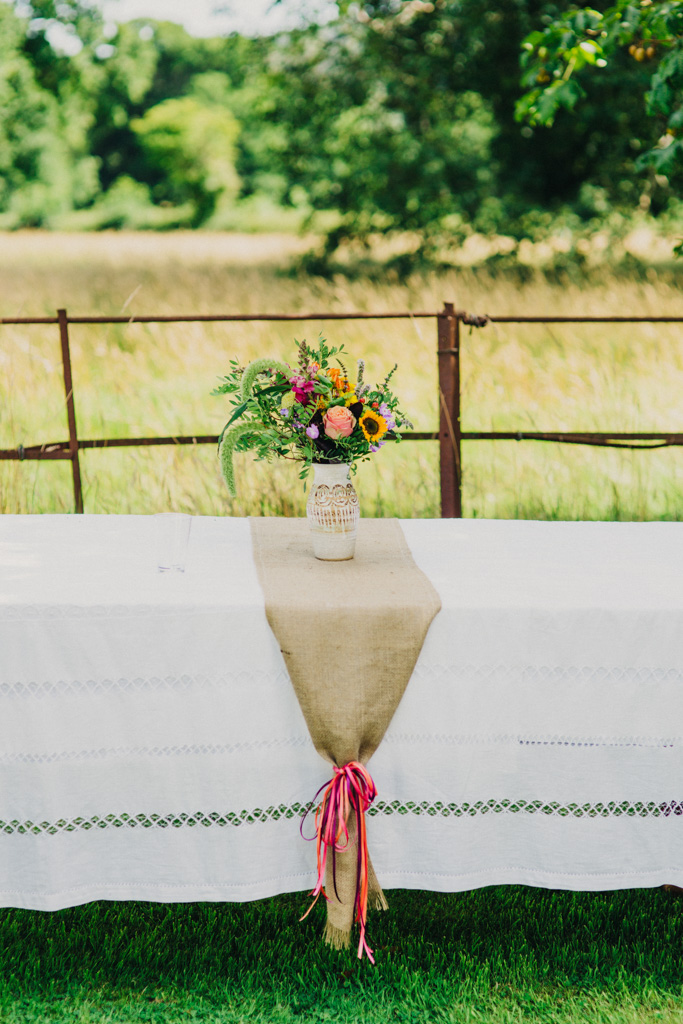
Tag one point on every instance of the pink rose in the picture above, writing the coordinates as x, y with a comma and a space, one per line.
339, 422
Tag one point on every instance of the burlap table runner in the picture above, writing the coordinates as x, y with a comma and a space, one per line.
350, 633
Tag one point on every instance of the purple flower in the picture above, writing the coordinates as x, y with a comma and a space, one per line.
376, 447
312, 431
284, 412
386, 412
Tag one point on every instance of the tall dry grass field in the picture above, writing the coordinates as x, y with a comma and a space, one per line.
156, 379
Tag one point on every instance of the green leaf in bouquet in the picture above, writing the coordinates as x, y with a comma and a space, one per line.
236, 414
271, 389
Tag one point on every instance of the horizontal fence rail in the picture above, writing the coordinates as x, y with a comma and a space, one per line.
449, 435
215, 318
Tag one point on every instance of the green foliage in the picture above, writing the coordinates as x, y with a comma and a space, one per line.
128, 204
582, 40
401, 118
146, 63
43, 166
381, 122
192, 146
123, 73
67, 118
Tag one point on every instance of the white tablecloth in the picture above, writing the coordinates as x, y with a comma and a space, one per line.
151, 746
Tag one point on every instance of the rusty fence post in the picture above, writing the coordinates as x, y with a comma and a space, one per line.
70, 409
449, 405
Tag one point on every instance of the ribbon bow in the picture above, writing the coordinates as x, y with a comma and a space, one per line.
351, 789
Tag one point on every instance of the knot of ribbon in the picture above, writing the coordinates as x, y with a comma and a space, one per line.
349, 791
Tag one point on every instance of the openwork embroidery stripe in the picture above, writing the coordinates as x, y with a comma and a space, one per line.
612, 809
139, 684
543, 740
199, 819
216, 819
188, 750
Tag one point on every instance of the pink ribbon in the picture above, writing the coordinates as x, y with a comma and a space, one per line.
351, 789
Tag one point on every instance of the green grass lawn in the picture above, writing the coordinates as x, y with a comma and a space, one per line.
502, 954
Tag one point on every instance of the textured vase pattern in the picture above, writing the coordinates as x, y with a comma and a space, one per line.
333, 512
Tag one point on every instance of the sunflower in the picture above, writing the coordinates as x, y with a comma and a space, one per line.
373, 426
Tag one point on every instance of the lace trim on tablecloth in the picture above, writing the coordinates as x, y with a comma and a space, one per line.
611, 809
303, 740
455, 675
97, 687
209, 819
217, 819
548, 675
543, 740
187, 750
36, 612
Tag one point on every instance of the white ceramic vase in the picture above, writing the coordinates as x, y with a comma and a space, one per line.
333, 513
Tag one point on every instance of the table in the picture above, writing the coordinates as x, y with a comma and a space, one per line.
151, 746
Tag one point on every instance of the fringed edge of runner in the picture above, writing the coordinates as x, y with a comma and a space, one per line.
339, 938
336, 937
379, 900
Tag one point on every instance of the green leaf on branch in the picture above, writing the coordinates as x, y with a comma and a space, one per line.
662, 158
271, 390
236, 414
548, 102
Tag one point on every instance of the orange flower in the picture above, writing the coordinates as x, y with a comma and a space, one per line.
340, 382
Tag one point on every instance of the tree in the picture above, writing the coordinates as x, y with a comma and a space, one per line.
42, 171
582, 42
192, 145
381, 118
147, 62
401, 115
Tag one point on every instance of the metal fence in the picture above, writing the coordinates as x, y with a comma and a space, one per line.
450, 436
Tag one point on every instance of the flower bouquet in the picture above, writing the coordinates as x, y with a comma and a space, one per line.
310, 412
314, 413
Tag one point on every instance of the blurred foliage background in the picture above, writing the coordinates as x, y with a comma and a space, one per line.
421, 123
